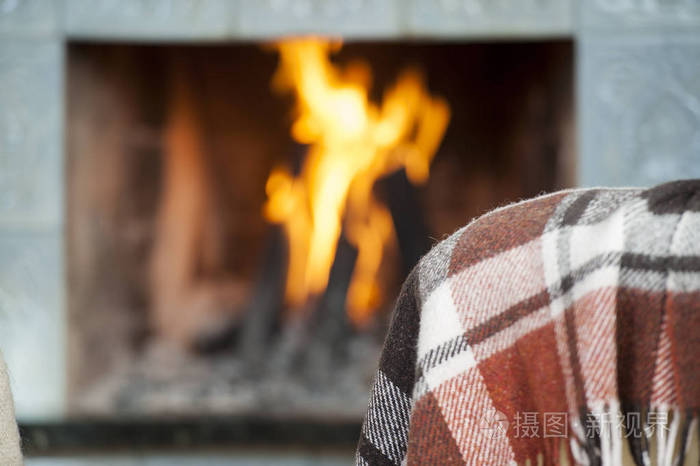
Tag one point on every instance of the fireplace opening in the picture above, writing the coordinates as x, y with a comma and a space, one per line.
179, 267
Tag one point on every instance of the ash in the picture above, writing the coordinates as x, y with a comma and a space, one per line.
166, 381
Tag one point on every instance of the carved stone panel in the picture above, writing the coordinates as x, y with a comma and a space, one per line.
30, 133
28, 17
31, 321
639, 110
151, 19
349, 18
490, 18
640, 14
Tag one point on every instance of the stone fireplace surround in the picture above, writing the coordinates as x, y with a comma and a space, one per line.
638, 113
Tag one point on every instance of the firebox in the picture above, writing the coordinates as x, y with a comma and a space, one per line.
199, 176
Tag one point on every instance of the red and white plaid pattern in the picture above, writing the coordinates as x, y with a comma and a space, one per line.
584, 303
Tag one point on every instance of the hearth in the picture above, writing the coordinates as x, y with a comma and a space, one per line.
178, 275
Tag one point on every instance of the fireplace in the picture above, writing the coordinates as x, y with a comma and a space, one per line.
178, 282
85, 110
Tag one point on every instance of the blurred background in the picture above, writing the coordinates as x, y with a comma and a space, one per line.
207, 207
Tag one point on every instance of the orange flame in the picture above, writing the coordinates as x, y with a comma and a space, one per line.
352, 143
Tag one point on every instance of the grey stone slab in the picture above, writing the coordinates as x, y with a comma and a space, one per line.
32, 321
150, 19
347, 18
31, 139
621, 15
293, 458
29, 17
490, 18
639, 109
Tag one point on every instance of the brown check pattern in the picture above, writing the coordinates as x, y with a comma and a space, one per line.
584, 302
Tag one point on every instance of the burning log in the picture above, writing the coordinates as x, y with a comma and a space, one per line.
316, 336
313, 340
353, 142
265, 309
330, 326
337, 231
411, 230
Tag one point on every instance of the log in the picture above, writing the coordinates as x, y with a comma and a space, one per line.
330, 328
409, 222
264, 311
312, 341
262, 314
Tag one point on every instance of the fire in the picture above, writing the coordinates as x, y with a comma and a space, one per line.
352, 143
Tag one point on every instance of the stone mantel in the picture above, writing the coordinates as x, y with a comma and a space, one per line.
638, 112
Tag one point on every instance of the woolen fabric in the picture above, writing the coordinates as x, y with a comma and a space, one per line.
584, 304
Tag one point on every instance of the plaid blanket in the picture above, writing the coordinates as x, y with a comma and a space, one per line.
564, 327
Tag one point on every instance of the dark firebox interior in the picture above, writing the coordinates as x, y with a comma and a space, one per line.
510, 137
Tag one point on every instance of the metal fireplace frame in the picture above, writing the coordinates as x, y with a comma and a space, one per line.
632, 128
